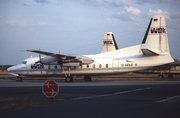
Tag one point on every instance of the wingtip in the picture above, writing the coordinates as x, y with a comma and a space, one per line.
30, 50
23, 50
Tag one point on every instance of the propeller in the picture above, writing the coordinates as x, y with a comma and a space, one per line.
40, 61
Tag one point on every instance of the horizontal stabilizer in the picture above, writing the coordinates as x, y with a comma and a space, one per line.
148, 52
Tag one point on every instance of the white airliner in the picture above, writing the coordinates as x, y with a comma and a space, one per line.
154, 52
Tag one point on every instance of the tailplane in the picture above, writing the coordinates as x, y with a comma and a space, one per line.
109, 42
155, 41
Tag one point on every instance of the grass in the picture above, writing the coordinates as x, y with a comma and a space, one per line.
4, 72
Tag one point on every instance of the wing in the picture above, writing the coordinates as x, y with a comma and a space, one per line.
62, 59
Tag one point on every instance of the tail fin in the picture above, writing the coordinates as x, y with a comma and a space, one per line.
109, 42
155, 41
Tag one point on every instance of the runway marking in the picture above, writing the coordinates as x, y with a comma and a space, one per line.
169, 98
117, 93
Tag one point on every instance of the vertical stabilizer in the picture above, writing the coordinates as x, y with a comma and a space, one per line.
155, 41
109, 42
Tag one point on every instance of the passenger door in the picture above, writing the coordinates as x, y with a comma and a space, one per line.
115, 64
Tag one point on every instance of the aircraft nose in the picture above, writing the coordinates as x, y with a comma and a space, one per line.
9, 69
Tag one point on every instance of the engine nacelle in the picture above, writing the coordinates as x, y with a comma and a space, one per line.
85, 60
49, 60
71, 64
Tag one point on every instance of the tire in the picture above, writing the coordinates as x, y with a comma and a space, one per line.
87, 78
170, 75
69, 79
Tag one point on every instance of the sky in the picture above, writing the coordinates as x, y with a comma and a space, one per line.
78, 26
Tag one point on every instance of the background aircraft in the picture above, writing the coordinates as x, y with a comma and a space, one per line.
154, 52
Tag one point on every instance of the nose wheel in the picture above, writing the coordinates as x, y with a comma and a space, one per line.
68, 79
19, 79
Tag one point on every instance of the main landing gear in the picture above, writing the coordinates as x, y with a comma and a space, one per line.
69, 78
162, 75
166, 68
87, 78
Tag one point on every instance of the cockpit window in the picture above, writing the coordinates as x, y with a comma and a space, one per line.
24, 62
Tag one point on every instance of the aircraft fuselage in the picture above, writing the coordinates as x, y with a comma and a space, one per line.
102, 65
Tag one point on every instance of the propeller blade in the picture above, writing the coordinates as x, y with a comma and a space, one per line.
41, 65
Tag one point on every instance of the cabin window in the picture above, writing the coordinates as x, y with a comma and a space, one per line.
49, 67
106, 65
93, 65
100, 66
55, 66
24, 62
87, 65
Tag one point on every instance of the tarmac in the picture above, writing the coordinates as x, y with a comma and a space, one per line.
105, 99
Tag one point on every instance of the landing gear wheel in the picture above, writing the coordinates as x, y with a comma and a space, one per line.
19, 79
69, 79
87, 78
170, 75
